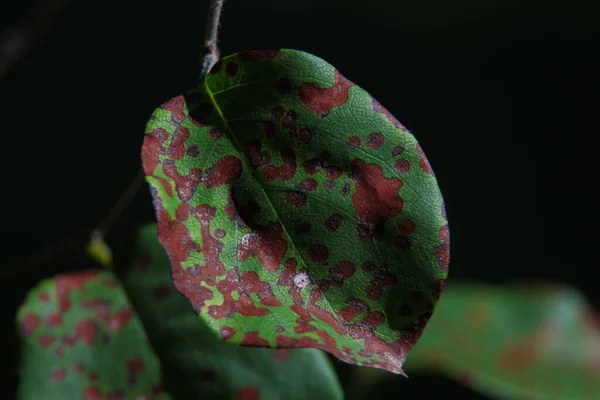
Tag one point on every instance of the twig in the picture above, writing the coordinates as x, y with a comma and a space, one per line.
211, 51
119, 206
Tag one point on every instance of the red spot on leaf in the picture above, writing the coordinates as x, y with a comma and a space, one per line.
176, 149
375, 140
93, 393
252, 339
333, 222
226, 171
285, 172
318, 253
296, 199
248, 393
402, 166
316, 164
305, 135
54, 319
375, 196
185, 185
44, 297
308, 185
86, 330
176, 106
321, 100
226, 332
118, 321
258, 54
424, 163
66, 283
135, 366
354, 141
253, 150
30, 323
58, 375
267, 244
252, 284
46, 341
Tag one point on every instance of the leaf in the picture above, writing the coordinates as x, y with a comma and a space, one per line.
515, 342
296, 211
196, 361
82, 340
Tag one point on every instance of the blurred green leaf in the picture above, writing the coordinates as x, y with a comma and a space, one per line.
537, 342
82, 340
196, 361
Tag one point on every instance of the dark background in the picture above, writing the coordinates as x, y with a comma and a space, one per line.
499, 94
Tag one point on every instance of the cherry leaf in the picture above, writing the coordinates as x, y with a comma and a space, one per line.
196, 361
516, 341
82, 340
296, 210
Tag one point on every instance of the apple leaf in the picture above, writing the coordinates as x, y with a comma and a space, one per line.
82, 340
196, 361
296, 210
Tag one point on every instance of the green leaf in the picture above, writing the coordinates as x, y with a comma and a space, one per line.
512, 342
82, 340
196, 361
296, 211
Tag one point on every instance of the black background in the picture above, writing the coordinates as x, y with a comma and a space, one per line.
499, 94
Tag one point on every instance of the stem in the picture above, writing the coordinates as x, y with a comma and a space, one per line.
119, 206
211, 51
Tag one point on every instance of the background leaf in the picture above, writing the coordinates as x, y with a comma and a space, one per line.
514, 342
296, 211
196, 362
82, 340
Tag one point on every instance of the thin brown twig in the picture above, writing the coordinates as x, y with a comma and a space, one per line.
211, 50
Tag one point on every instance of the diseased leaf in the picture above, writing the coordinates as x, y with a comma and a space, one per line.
514, 342
82, 340
296, 211
194, 359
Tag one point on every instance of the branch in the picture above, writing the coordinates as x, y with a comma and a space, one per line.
211, 51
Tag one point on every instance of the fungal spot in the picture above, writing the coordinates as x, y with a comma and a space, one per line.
308, 185
318, 253
305, 135
354, 141
424, 163
220, 233
333, 222
215, 133
301, 279
322, 100
296, 199
375, 140
396, 151
285, 172
224, 172
402, 166
192, 151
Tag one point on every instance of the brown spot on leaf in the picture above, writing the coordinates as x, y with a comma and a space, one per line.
225, 171
375, 140
30, 323
285, 172
258, 54
333, 222
294, 198
354, 141
402, 166
318, 253
322, 100
375, 196
248, 393
267, 244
